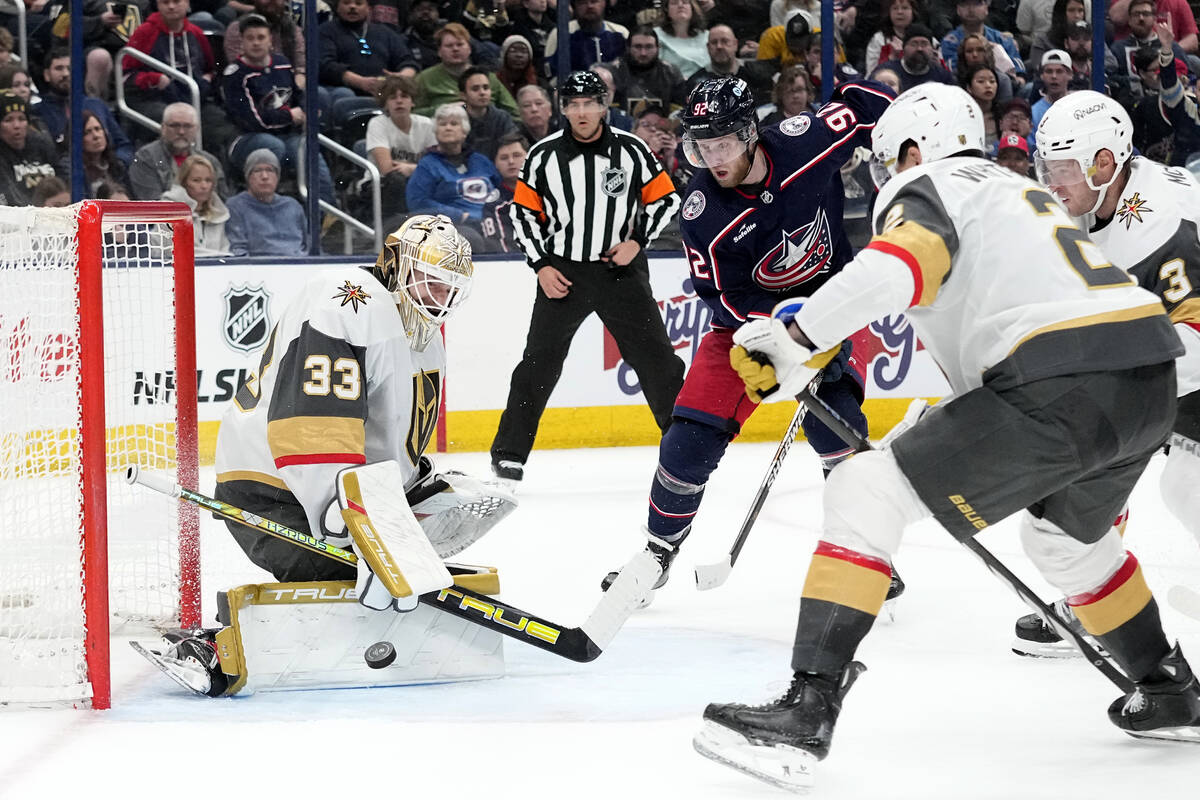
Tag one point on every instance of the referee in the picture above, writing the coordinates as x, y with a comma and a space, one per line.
588, 202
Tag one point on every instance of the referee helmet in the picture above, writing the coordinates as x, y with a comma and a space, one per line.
582, 84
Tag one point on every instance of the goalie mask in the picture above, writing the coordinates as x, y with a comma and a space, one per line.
426, 265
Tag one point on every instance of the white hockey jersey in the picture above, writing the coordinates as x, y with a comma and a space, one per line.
1155, 235
337, 385
997, 280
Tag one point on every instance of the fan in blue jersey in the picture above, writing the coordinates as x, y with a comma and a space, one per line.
762, 222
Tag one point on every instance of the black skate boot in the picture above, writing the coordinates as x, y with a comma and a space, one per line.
189, 657
664, 554
1038, 639
781, 741
1165, 705
896, 587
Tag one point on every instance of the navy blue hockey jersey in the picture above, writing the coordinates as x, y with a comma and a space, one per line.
749, 251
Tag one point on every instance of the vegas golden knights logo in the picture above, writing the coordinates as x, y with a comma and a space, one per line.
427, 388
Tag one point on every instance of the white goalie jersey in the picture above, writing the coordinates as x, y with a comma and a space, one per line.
338, 385
999, 283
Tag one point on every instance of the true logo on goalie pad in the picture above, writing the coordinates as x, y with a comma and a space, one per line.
247, 317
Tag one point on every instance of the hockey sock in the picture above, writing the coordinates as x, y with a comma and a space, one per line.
844, 397
1123, 615
842, 596
689, 453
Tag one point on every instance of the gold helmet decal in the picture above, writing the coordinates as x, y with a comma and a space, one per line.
426, 265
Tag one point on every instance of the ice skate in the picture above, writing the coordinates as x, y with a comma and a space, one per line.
189, 657
778, 742
1165, 705
664, 554
895, 589
1036, 638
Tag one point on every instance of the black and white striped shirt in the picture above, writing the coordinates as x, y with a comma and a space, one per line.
577, 200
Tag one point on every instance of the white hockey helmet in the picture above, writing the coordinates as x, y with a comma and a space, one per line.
942, 120
1072, 131
426, 265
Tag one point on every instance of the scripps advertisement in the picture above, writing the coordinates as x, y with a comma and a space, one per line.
237, 305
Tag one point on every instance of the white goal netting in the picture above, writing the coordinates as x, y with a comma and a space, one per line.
44, 481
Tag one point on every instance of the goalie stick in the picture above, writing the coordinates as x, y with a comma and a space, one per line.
581, 644
710, 576
852, 438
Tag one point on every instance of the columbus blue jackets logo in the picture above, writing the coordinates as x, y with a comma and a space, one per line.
795, 126
801, 254
614, 182
247, 317
694, 205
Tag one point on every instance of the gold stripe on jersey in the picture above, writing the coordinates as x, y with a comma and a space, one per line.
1187, 311
313, 439
1120, 315
928, 251
251, 475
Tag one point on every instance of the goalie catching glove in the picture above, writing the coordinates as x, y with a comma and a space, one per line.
770, 362
454, 509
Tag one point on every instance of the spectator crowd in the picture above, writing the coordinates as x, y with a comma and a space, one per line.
445, 97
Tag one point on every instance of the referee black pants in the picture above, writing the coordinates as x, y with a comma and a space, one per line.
622, 298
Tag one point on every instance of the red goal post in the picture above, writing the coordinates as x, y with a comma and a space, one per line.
97, 310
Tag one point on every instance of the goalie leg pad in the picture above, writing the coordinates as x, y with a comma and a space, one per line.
285, 636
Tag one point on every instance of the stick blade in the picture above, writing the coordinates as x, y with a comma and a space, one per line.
710, 576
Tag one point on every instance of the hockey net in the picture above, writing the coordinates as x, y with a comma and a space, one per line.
97, 371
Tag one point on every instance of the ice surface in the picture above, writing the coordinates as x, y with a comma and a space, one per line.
945, 710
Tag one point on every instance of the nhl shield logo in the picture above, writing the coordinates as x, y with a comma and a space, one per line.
614, 182
247, 317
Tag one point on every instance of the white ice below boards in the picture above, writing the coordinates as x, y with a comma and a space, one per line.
944, 712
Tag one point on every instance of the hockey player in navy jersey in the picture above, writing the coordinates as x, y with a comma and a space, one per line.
762, 222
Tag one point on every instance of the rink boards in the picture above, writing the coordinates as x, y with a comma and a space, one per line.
597, 402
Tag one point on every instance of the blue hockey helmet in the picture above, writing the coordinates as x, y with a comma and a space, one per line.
717, 108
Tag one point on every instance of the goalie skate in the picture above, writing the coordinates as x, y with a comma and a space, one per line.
188, 674
780, 765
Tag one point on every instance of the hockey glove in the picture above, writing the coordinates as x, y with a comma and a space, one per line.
771, 363
456, 510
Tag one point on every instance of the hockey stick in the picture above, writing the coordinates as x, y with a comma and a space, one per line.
852, 438
710, 576
581, 644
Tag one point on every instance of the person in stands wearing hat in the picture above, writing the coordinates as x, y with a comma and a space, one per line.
261, 222
516, 64
1016, 116
971, 17
918, 62
1012, 152
26, 157
1078, 44
888, 41
1056, 78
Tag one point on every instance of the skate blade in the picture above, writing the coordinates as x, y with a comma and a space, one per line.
1060, 649
191, 678
1188, 734
787, 768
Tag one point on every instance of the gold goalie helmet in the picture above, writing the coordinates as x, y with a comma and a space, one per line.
426, 265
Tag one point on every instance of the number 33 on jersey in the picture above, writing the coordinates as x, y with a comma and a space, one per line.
337, 351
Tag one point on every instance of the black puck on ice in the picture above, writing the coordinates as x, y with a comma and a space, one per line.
379, 655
